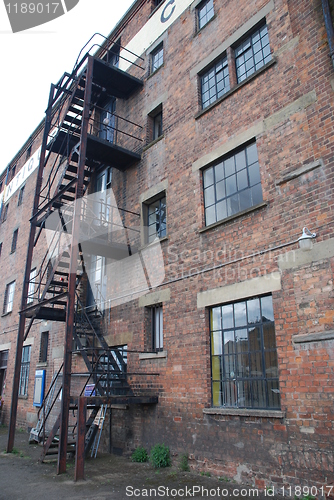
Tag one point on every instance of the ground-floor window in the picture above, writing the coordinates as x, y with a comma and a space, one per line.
243, 354
24, 374
3, 368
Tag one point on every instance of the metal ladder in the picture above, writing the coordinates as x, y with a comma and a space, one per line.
99, 421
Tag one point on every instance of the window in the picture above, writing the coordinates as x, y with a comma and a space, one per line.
9, 298
157, 328
205, 12
12, 173
232, 185
29, 152
154, 124
24, 375
14, 241
4, 212
157, 125
31, 288
215, 82
3, 368
43, 353
252, 53
155, 3
157, 219
20, 197
157, 58
243, 355
0, 248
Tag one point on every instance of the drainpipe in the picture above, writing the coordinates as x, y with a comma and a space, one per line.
4, 192
329, 27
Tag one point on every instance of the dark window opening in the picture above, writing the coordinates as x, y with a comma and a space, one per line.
20, 197
43, 353
14, 241
4, 212
3, 369
29, 152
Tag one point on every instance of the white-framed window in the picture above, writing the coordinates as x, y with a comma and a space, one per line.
9, 298
31, 288
24, 374
157, 328
157, 58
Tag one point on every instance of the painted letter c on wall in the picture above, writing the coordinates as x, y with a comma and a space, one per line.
165, 18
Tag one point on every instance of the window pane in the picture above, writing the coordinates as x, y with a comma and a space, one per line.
267, 308
210, 215
269, 335
273, 394
240, 314
245, 199
254, 339
253, 311
257, 194
256, 364
208, 177
241, 338
231, 185
242, 180
216, 343
216, 319
259, 394
209, 196
221, 210
233, 205
228, 321
229, 344
220, 190
229, 394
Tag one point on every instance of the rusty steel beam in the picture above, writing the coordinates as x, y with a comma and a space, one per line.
80, 445
329, 28
20, 335
74, 252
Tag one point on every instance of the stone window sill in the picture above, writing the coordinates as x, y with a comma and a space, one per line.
153, 355
160, 240
153, 142
232, 217
42, 364
244, 412
313, 337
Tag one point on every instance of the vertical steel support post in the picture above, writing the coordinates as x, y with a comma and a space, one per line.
329, 28
20, 335
74, 251
81, 433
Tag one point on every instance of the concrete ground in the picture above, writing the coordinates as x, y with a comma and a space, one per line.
23, 477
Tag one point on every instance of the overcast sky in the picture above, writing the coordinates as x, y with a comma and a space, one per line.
33, 59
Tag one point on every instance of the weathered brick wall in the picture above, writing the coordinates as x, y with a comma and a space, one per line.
290, 105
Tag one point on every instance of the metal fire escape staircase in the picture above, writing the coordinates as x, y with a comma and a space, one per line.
72, 150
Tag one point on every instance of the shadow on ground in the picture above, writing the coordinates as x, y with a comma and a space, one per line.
23, 477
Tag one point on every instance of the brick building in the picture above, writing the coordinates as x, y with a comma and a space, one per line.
208, 149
